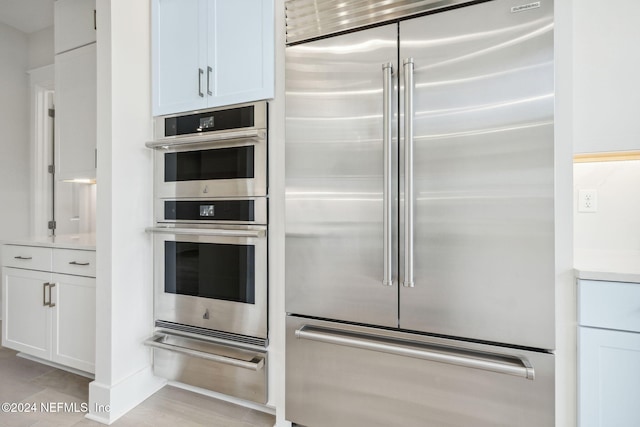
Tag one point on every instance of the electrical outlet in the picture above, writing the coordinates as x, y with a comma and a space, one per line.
588, 200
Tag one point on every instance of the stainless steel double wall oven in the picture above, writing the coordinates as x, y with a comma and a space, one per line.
210, 249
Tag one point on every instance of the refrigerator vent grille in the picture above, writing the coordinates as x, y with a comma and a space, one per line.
308, 19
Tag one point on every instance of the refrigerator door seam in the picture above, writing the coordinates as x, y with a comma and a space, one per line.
408, 176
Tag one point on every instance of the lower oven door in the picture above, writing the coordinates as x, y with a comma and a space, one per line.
213, 278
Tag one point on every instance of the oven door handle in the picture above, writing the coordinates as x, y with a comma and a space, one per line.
255, 364
208, 232
255, 136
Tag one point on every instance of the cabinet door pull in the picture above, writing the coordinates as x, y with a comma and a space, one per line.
44, 294
23, 257
51, 285
79, 263
209, 70
200, 74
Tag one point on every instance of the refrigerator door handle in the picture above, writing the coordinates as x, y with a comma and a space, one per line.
503, 364
387, 100
408, 172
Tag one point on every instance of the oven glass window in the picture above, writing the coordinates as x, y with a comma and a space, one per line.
219, 271
218, 163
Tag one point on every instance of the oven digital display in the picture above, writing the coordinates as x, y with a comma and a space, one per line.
207, 210
232, 118
222, 210
206, 123
210, 270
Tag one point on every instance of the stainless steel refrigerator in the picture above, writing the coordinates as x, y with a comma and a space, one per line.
420, 213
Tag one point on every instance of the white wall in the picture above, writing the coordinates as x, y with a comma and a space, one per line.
277, 318
615, 227
565, 284
41, 51
124, 285
14, 137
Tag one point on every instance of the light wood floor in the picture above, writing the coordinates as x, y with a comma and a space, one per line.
23, 381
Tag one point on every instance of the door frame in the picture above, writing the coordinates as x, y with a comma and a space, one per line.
41, 83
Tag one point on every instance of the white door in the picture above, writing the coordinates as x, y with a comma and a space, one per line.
478, 245
179, 52
74, 24
76, 113
74, 321
26, 321
241, 51
609, 378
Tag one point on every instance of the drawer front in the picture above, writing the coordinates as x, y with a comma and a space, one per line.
76, 262
28, 257
221, 368
356, 376
610, 305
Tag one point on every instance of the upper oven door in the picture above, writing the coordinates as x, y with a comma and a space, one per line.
212, 278
234, 167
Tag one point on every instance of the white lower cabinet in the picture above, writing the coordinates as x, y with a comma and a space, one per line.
49, 315
74, 322
26, 324
609, 378
609, 354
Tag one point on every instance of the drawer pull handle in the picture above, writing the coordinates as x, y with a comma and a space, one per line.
509, 365
79, 263
256, 364
23, 257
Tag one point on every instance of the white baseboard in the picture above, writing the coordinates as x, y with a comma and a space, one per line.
107, 403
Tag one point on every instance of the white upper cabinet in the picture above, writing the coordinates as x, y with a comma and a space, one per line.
75, 24
76, 100
75, 83
209, 53
606, 65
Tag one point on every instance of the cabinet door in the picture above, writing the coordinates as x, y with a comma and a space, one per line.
74, 321
27, 319
76, 113
179, 49
609, 378
241, 50
75, 24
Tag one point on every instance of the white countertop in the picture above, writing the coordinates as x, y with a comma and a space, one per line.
607, 265
65, 241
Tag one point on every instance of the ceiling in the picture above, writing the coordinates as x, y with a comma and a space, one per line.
27, 16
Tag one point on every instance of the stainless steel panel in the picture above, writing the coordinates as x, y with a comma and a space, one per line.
336, 384
229, 316
308, 19
484, 174
256, 186
213, 366
334, 178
